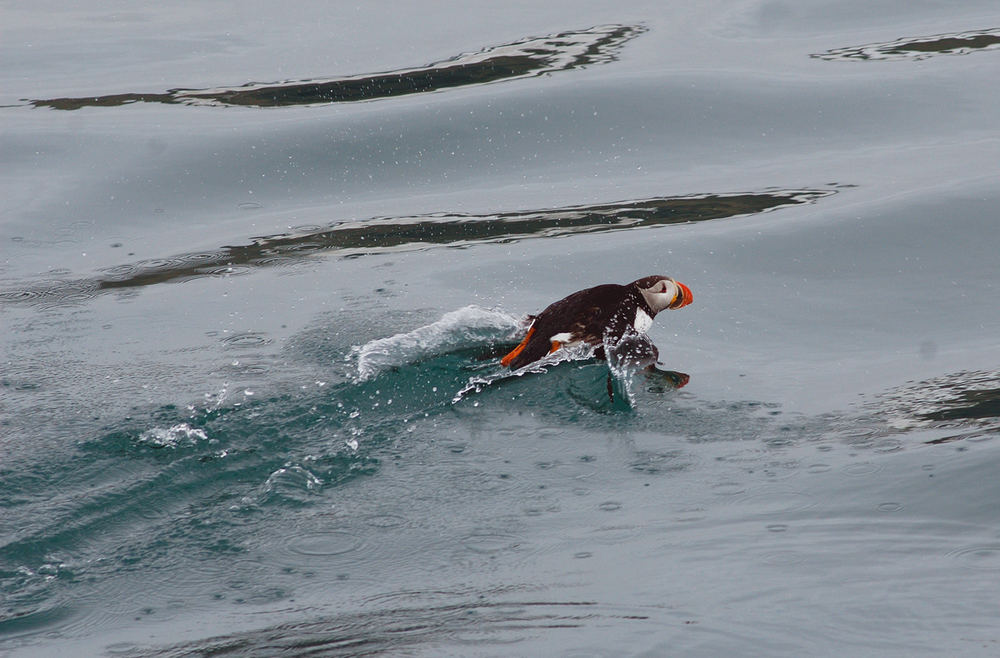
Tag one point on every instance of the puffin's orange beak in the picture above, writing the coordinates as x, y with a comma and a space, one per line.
684, 297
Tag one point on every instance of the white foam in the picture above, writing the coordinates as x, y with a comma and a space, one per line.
180, 434
463, 328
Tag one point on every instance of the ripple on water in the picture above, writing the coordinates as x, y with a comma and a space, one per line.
276, 260
53, 295
486, 541
859, 435
246, 339
494, 545
21, 294
339, 552
112, 595
888, 445
728, 489
477, 481
778, 502
223, 271
160, 264
323, 544
387, 521
745, 456
652, 462
980, 556
22, 624
613, 534
782, 557
689, 514
248, 368
492, 636
861, 469
779, 470
827, 550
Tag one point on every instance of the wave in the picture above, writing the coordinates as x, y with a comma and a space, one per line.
529, 57
467, 327
484, 623
383, 235
917, 48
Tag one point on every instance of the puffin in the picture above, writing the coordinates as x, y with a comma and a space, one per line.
612, 313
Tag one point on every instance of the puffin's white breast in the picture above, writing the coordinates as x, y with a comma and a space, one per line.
642, 321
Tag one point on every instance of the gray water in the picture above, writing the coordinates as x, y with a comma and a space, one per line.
259, 265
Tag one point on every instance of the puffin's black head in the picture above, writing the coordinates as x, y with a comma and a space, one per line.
662, 292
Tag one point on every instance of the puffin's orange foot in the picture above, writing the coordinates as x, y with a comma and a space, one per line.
517, 350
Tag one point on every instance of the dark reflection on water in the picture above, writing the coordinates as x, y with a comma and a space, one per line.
972, 404
353, 239
969, 405
391, 630
915, 48
525, 58
967, 401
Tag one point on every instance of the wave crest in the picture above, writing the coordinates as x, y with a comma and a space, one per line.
467, 327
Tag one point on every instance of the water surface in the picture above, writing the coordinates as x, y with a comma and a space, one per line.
258, 269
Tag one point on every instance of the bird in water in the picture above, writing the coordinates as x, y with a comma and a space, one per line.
609, 314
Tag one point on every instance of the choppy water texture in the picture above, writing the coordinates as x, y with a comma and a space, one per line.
250, 394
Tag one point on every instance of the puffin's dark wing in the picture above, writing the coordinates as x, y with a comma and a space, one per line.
583, 315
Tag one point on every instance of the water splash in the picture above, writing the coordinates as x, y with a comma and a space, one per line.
626, 356
477, 383
292, 483
467, 327
175, 436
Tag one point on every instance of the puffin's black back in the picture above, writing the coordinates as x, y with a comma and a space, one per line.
586, 315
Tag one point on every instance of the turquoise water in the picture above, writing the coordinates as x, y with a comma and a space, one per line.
258, 270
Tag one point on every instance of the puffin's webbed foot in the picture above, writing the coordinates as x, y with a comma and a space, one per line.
666, 378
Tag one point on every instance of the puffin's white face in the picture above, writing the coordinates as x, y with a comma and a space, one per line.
666, 293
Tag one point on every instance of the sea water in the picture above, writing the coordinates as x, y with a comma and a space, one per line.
258, 268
